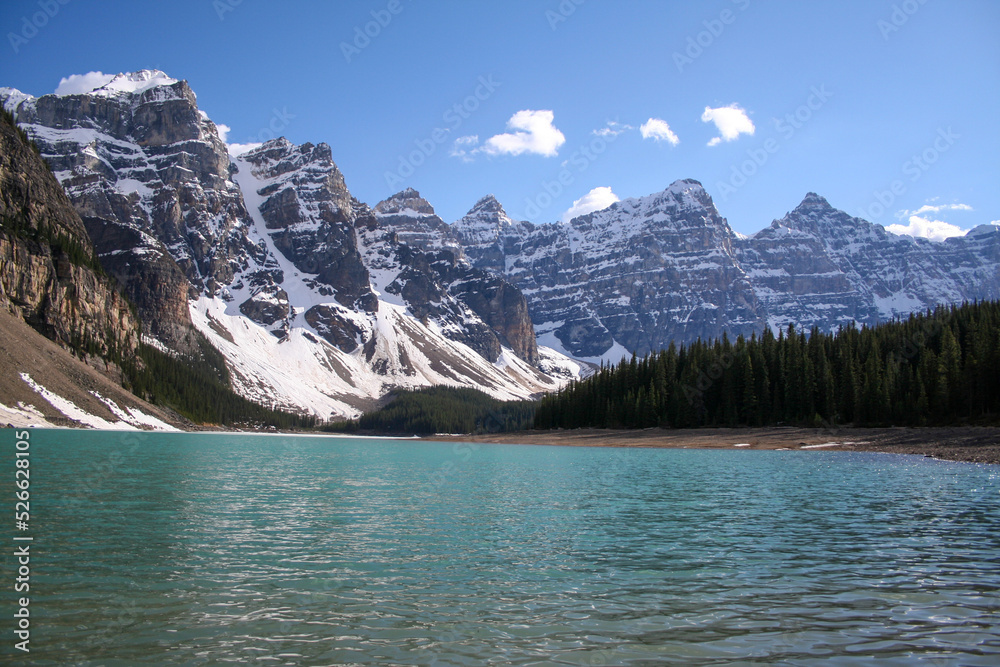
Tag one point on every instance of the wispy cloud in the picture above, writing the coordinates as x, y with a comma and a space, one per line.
77, 84
597, 199
657, 129
731, 121
921, 225
612, 129
928, 208
465, 147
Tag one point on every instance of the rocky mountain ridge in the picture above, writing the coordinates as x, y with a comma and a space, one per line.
668, 268
317, 301
322, 303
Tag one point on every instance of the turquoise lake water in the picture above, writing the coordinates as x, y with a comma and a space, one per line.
177, 549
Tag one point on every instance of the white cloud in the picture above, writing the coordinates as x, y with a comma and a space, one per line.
76, 84
612, 129
533, 133
996, 222
935, 230
224, 131
731, 121
464, 147
597, 199
240, 149
658, 130
921, 225
927, 208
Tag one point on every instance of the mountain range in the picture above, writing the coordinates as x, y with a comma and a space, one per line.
322, 304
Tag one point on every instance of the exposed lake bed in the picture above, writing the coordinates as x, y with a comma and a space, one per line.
972, 444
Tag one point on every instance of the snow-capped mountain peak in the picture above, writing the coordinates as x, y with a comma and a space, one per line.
408, 202
134, 83
317, 303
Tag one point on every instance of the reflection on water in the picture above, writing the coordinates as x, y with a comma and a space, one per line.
217, 549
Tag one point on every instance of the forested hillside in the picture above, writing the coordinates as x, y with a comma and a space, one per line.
446, 410
940, 367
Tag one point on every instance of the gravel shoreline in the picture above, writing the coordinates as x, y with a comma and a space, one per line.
973, 444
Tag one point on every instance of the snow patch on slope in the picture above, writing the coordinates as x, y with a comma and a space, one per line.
131, 420
24, 415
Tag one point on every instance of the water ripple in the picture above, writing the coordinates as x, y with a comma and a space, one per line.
216, 550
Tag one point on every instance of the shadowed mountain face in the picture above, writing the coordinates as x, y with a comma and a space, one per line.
49, 276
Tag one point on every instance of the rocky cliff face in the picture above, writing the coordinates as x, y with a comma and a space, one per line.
818, 266
139, 155
436, 270
631, 277
47, 262
318, 302
667, 268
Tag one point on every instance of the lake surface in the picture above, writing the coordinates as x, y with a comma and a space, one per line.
178, 549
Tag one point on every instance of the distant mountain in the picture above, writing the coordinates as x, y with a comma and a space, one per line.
668, 268
632, 277
819, 266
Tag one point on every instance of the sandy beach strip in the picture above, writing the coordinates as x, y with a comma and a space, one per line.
963, 443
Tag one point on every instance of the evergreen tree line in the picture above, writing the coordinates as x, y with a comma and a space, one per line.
8, 117
935, 368
444, 410
61, 243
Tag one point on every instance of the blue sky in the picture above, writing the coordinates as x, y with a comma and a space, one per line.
888, 108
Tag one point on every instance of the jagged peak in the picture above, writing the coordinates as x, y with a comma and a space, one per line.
134, 83
490, 207
685, 185
12, 98
280, 144
686, 193
489, 201
405, 202
815, 215
814, 201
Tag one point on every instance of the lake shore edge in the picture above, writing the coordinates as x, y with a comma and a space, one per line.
972, 444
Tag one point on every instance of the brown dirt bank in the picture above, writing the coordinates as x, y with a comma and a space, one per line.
963, 443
